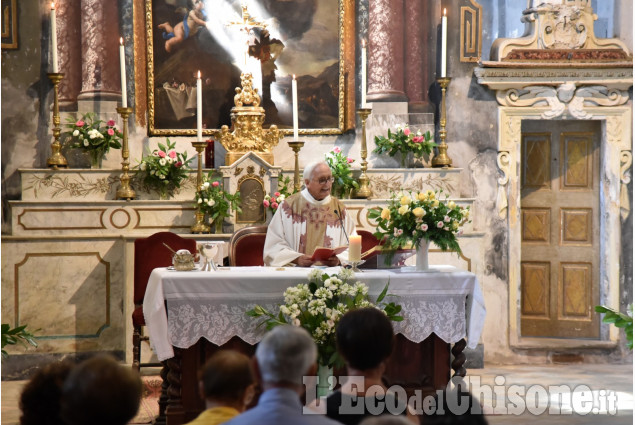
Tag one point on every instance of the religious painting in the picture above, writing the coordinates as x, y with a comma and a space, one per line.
252, 193
9, 24
272, 39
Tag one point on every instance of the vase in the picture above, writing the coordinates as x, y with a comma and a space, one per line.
422, 255
324, 373
218, 226
96, 158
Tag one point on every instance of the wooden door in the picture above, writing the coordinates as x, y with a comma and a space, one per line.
560, 211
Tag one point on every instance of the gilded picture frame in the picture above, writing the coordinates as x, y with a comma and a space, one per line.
9, 24
280, 48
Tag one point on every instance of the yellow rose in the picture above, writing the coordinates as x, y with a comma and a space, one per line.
435, 203
403, 209
451, 204
430, 194
418, 212
422, 196
405, 200
455, 225
385, 214
465, 212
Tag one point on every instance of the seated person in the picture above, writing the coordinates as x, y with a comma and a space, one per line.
365, 340
284, 356
100, 391
41, 397
306, 220
227, 385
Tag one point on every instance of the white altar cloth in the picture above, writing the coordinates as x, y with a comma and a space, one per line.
212, 305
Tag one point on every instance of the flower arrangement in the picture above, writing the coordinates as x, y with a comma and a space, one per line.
271, 202
92, 135
215, 202
318, 305
164, 169
404, 141
340, 166
410, 218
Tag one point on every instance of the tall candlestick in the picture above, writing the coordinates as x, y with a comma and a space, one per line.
199, 108
444, 43
122, 68
54, 39
355, 248
294, 94
363, 73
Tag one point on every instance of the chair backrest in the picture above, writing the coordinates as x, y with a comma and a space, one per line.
150, 253
369, 241
246, 246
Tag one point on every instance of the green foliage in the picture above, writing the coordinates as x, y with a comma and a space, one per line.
92, 135
14, 336
620, 320
403, 141
164, 169
340, 166
318, 305
285, 189
213, 201
410, 218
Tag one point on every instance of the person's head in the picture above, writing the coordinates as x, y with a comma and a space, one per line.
40, 399
318, 179
226, 379
285, 355
364, 338
101, 391
456, 407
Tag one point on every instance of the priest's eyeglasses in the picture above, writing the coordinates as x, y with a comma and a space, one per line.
325, 180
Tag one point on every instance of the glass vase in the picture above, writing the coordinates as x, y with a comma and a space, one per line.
96, 158
324, 373
218, 226
422, 256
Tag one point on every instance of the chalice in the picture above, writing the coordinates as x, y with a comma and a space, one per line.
208, 251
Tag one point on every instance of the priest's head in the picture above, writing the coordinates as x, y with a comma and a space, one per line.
318, 179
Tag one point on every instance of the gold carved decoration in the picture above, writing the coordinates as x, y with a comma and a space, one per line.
247, 119
262, 172
238, 170
471, 32
9, 24
250, 169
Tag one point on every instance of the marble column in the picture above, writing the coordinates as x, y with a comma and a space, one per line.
416, 51
69, 50
100, 50
386, 51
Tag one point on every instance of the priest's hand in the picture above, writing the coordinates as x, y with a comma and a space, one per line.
332, 262
303, 261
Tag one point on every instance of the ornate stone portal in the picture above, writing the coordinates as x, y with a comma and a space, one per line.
247, 119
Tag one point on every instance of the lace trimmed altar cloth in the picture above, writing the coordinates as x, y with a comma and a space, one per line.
212, 305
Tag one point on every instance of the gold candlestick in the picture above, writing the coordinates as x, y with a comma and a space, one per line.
199, 226
296, 146
125, 191
56, 160
364, 188
442, 160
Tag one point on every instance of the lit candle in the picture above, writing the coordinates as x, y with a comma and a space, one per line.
54, 39
355, 248
444, 43
122, 68
294, 94
199, 108
363, 73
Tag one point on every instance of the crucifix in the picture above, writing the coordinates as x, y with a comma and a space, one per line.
246, 25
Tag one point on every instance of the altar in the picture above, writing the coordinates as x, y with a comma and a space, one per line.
191, 314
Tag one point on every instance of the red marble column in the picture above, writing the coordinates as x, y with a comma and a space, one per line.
100, 50
386, 51
69, 49
416, 54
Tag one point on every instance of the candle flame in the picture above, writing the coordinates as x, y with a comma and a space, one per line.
363, 42
444, 11
52, 5
199, 74
294, 76
121, 40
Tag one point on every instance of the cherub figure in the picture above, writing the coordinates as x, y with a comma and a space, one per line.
192, 22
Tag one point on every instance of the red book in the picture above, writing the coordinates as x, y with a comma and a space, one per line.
321, 253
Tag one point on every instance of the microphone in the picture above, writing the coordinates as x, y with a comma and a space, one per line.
339, 215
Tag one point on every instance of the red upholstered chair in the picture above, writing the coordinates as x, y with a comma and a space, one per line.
150, 253
246, 246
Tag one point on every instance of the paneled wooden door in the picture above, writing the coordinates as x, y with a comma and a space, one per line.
560, 213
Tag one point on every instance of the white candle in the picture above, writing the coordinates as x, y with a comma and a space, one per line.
355, 248
444, 43
294, 94
363, 73
199, 108
122, 68
54, 39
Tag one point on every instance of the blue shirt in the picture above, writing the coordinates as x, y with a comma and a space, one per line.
279, 406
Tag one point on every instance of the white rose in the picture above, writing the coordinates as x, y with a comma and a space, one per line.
161, 176
85, 142
76, 133
280, 198
200, 201
162, 161
206, 185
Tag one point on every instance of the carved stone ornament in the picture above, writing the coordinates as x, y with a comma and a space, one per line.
247, 117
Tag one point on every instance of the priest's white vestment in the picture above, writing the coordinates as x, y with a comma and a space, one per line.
303, 223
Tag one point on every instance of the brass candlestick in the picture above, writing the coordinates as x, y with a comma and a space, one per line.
125, 191
442, 160
364, 188
296, 146
199, 226
56, 160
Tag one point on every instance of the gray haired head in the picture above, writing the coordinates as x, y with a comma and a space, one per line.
285, 355
308, 169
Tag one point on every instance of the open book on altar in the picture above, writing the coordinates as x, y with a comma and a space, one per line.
322, 253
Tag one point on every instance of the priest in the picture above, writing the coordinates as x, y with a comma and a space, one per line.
306, 220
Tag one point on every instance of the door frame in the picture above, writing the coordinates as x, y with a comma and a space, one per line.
615, 161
